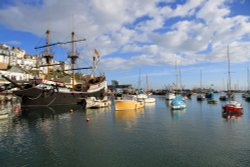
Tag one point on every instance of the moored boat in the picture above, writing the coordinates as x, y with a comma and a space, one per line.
92, 102
169, 96
223, 98
47, 92
51, 93
149, 100
129, 103
178, 103
233, 107
200, 97
211, 98
142, 96
247, 97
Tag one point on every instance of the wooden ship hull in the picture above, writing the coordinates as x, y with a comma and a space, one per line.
54, 95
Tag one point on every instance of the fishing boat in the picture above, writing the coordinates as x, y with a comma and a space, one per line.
46, 92
232, 107
177, 103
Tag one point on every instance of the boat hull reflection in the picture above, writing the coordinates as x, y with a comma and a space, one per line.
48, 112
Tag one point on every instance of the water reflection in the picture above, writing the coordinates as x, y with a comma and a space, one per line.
90, 111
229, 116
33, 113
168, 102
150, 106
129, 116
176, 114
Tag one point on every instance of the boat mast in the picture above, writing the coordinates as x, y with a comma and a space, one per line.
177, 82
200, 80
94, 66
248, 79
73, 56
229, 75
47, 55
139, 80
180, 79
147, 84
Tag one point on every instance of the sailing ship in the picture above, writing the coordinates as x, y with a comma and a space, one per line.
45, 92
232, 107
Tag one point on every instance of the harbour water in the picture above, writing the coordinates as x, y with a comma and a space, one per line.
155, 136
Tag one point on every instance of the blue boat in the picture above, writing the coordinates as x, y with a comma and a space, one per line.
210, 98
177, 103
223, 98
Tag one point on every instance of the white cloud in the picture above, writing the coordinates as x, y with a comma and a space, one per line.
13, 43
110, 27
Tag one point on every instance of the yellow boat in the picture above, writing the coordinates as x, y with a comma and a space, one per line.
128, 104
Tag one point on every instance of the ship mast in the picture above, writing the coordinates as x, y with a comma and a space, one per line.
73, 56
47, 55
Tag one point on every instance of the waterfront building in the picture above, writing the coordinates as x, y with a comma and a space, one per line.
121, 88
10, 55
15, 73
13, 56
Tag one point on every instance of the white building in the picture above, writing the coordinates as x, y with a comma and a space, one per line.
15, 74
27, 62
10, 55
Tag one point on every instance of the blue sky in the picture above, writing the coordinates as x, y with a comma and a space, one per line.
145, 37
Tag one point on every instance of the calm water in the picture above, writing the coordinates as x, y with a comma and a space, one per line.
154, 136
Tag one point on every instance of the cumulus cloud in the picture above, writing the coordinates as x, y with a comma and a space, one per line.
193, 32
